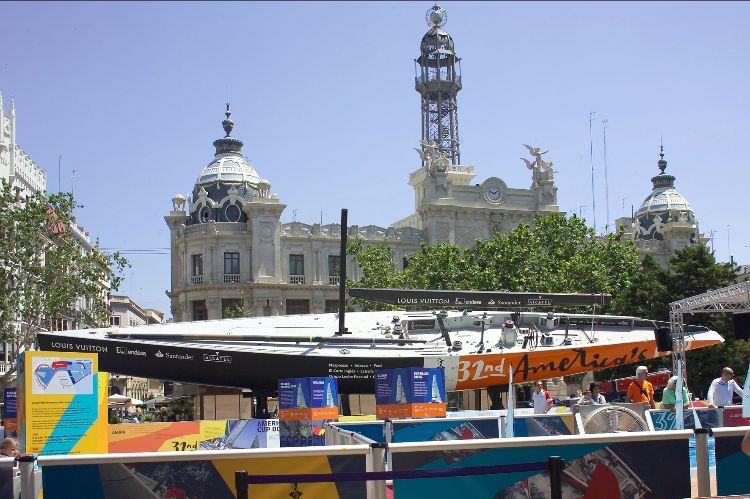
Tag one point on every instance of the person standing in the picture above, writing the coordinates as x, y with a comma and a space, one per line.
669, 395
720, 391
596, 397
641, 391
541, 398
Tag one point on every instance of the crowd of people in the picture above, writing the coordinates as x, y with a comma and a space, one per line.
641, 391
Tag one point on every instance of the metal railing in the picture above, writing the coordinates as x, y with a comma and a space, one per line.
296, 279
197, 279
231, 278
333, 280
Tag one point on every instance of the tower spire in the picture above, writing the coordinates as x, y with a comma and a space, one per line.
227, 144
663, 179
438, 80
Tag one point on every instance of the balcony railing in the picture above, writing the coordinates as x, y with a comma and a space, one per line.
296, 279
231, 278
4, 367
333, 280
197, 279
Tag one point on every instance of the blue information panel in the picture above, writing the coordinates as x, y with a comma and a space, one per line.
409, 386
10, 407
302, 393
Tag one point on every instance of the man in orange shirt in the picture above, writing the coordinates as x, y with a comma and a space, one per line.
641, 391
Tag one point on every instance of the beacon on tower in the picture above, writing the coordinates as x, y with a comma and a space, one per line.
438, 80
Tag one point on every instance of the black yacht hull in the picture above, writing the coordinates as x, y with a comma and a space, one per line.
224, 367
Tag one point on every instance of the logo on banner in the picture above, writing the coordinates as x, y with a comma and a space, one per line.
217, 357
159, 354
125, 351
540, 302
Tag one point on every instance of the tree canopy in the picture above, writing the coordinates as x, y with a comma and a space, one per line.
555, 254
45, 272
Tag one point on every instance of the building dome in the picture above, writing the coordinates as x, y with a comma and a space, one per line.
225, 184
436, 39
230, 168
663, 206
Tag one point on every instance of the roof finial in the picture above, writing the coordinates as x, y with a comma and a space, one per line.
227, 123
662, 162
436, 16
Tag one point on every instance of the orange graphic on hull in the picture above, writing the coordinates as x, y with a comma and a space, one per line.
481, 371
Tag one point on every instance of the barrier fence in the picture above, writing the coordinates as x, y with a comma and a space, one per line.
653, 464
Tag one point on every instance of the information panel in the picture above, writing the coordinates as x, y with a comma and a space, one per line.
410, 393
62, 403
10, 409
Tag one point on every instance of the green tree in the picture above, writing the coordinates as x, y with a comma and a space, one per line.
44, 270
555, 254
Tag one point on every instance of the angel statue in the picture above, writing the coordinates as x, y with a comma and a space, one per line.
432, 157
537, 165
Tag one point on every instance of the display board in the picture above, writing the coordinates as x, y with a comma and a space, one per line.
445, 429
201, 478
592, 470
305, 406
664, 419
732, 465
410, 393
194, 435
308, 398
62, 403
543, 425
733, 416
10, 410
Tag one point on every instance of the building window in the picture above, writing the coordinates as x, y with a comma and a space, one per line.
231, 307
334, 265
205, 214
114, 320
200, 312
332, 306
334, 269
297, 307
296, 264
233, 213
231, 263
197, 265
405, 262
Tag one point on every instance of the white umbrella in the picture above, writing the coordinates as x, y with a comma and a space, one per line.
137, 402
118, 400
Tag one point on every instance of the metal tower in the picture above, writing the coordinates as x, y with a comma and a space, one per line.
438, 80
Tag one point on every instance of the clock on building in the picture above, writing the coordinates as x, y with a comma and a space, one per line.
494, 190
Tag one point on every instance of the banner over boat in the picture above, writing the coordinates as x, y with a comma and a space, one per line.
430, 298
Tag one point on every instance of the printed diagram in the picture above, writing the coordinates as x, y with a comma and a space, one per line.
54, 376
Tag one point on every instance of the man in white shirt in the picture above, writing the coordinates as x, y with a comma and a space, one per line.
720, 391
541, 398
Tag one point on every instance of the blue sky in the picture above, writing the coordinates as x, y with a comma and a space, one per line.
132, 94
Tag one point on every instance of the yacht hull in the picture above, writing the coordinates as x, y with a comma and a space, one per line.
233, 364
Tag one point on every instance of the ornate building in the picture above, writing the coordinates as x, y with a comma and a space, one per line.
230, 250
15, 165
665, 222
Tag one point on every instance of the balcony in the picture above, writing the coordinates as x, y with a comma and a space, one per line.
5, 367
231, 278
296, 279
333, 280
197, 279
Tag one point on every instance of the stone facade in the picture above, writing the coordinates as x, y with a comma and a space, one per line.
124, 312
665, 222
15, 165
231, 255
